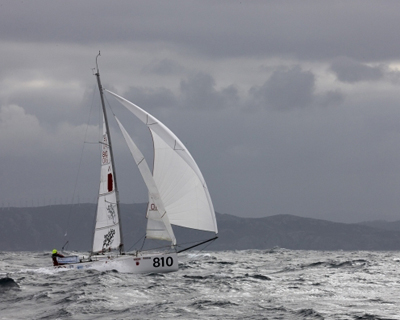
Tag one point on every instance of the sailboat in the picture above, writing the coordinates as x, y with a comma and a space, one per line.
178, 196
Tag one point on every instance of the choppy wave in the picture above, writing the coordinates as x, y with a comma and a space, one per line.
7, 284
269, 284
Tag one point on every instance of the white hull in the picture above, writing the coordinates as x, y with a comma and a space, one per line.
157, 263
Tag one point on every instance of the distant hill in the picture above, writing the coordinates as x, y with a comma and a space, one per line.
44, 228
292, 232
382, 224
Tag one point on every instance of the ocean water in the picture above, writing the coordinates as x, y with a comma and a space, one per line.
251, 284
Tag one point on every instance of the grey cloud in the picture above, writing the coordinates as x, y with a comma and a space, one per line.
198, 91
349, 70
286, 89
151, 98
53, 105
164, 67
306, 30
393, 76
329, 98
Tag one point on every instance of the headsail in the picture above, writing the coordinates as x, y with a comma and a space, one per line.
179, 181
107, 232
158, 226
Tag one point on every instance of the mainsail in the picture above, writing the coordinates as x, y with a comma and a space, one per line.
178, 179
107, 234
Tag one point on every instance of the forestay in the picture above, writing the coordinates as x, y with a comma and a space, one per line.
179, 181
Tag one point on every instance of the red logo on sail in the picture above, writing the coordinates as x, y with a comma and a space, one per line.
110, 182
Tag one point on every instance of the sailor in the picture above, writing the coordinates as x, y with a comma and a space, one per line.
54, 256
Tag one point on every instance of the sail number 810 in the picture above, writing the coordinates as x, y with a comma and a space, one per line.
162, 262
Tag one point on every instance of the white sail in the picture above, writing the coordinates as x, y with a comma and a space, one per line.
158, 226
107, 232
179, 181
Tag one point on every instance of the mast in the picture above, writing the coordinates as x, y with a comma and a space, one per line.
97, 74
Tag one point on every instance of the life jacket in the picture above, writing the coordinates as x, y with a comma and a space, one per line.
54, 257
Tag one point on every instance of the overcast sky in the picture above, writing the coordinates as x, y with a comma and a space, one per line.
288, 107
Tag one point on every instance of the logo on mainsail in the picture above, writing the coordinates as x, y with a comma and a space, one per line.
105, 159
111, 213
108, 238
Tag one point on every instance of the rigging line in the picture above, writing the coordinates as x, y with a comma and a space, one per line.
156, 248
136, 242
207, 245
109, 105
79, 166
141, 248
